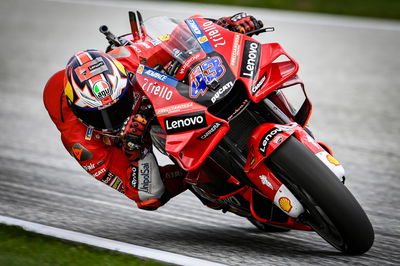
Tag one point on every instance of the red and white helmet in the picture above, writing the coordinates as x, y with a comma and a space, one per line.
98, 90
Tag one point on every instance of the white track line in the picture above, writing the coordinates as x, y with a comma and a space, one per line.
100, 242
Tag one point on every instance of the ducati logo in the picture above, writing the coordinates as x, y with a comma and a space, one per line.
80, 152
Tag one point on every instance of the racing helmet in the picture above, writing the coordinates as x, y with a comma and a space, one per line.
98, 90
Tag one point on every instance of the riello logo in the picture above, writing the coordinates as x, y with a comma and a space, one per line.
185, 122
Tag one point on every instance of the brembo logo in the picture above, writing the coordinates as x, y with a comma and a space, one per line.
251, 59
185, 122
267, 138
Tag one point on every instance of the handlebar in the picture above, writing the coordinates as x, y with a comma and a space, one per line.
114, 41
256, 32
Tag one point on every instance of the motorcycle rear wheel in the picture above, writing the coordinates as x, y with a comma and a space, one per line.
331, 210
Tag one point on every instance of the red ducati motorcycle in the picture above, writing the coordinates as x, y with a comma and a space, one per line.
220, 109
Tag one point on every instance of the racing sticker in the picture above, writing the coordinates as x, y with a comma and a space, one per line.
257, 86
185, 122
250, 60
134, 176
285, 204
113, 181
235, 50
91, 69
89, 133
264, 180
118, 184
211, 130
144, 179
332, 160
262, 148
99, 173
108, 178
81, 153
203, 74
212, 32
157, 75
200, 36
101, 89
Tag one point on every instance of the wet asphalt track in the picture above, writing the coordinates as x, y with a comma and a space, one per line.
350, 67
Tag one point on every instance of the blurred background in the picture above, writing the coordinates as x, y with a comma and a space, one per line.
370, 8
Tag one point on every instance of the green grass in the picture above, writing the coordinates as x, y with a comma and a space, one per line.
19, 247
369, 8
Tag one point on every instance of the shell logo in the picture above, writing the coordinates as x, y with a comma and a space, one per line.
202, 39
332, 160
164, 37
140, 69
285, 204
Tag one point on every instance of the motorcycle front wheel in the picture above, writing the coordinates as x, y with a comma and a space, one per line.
331, 210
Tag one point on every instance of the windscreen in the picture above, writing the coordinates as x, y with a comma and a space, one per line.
174, 36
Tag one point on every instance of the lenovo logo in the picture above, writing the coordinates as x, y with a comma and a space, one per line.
251, 59
266, 139
185, 122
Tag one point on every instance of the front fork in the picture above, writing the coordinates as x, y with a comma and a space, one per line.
264, 140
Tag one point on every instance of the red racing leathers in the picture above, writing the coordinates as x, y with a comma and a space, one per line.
101, 155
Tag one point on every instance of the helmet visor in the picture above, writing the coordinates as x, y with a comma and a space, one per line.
110, 118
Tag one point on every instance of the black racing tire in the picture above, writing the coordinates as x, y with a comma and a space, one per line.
331, 210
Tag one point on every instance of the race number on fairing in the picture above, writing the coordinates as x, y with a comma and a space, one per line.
204, 74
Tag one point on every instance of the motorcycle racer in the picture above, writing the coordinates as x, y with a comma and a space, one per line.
101, 116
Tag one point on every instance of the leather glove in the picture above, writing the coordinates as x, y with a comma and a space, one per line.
240, 22
131, 136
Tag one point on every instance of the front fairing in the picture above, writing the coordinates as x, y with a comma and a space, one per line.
214, 64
